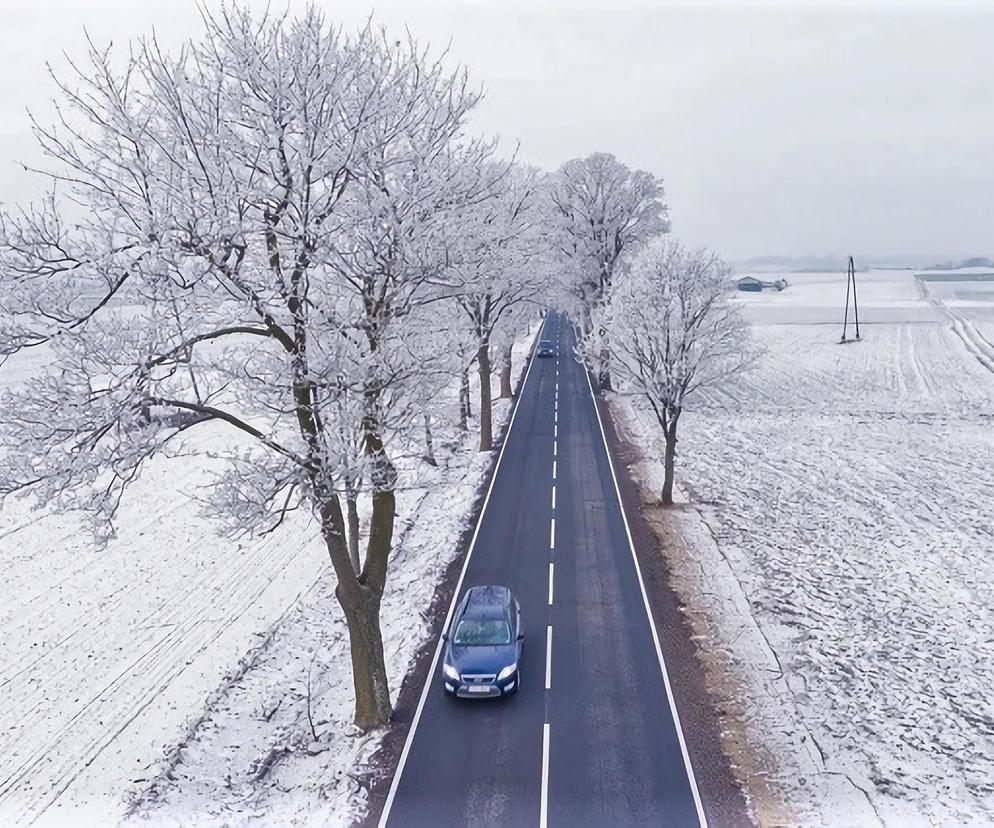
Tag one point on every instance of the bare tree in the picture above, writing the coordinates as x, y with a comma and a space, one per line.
672, 331
271, 205
603, 212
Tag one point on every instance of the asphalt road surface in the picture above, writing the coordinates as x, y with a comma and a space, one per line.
591, 738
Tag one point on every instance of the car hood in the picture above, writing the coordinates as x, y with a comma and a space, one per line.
481, 659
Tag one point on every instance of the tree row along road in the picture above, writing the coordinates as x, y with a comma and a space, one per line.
591, 739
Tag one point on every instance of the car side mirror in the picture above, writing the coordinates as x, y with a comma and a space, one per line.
521, 636
445, 636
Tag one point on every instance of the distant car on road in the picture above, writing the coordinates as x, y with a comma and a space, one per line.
546, 348
483, 645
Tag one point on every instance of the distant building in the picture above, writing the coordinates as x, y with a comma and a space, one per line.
755, 285
750, 283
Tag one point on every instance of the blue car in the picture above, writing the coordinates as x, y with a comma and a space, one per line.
483, 645
546, 348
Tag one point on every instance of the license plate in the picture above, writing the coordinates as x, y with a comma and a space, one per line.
481, 689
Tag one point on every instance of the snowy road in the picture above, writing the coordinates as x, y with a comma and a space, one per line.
591, 738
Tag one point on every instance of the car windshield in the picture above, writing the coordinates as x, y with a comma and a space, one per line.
545, 343
482, 632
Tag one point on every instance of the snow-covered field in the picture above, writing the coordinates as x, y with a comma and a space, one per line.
846, 562
276, 745
106, 653
165, 677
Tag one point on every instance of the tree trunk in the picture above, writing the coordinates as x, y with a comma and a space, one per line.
465, 412
604, 365
144, 383
669, 462
361, 605
359, 597
486, 411
352, 513
505, 375
429, 455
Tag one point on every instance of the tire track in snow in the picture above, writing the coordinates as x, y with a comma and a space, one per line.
124, 641
190, 630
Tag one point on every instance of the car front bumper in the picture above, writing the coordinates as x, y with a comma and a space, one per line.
480, 690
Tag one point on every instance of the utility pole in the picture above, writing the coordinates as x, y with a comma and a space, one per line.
850, 288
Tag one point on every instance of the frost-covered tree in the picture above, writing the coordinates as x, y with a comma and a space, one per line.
672, 330
495, 268
603, 212
245, 236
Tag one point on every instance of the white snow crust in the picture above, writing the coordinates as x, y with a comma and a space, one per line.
841, 506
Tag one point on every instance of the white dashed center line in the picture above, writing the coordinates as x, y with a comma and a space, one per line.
548, 657
544, 807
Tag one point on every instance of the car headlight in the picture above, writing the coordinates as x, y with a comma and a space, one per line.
507, 672
450, 672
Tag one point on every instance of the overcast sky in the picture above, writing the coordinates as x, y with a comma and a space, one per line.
792, 128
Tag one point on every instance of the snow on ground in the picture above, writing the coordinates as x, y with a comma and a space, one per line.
842, 522
819, 298
254, 756
174, 661
106, 652
276, 746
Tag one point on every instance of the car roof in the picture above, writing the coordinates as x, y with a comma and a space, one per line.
485, 600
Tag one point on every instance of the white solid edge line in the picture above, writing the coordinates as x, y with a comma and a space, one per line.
385, 813
552, 580
548, 656
652, 625
543, 817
